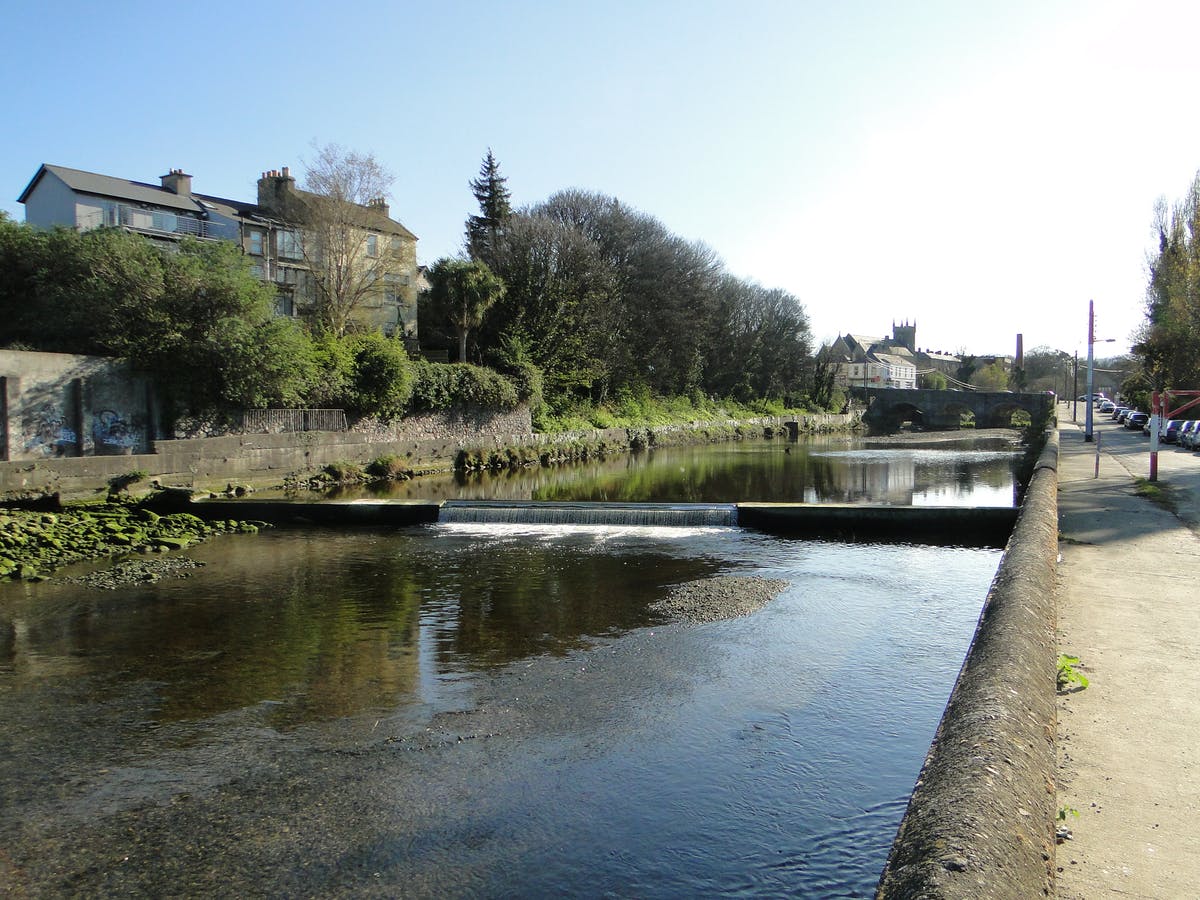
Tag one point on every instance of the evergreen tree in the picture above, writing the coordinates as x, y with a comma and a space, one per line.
462, 291
494, 210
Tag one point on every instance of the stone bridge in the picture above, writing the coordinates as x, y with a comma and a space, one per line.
889, 408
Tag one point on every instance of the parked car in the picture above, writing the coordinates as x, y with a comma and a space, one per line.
1123, 414
1169, 430
1187, 433
1117, 410
1135, 420
1107, 406
1163, 426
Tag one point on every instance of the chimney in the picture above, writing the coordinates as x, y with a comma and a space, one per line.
380, 204
177, 182
275, 190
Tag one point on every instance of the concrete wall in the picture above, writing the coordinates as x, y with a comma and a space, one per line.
429, 443
63, 405
981, 819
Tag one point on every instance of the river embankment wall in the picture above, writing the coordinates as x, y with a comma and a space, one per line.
427, 443
981, 819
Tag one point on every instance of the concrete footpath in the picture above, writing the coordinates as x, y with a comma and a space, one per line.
1129, 608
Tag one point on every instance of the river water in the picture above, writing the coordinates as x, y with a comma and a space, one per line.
484, 711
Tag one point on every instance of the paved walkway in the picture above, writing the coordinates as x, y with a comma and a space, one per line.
1129, 607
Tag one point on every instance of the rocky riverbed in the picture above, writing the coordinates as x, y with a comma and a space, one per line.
34, 543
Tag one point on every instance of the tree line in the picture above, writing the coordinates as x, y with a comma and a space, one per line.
606, 302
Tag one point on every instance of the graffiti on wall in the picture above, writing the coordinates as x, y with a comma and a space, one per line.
113, 433
46, 432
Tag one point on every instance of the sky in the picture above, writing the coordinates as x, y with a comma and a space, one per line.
983, 169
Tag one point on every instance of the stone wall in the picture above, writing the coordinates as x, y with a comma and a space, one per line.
429, 443
55, 405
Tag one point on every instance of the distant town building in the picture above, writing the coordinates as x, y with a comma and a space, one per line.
268, 231
876, 362
896, 362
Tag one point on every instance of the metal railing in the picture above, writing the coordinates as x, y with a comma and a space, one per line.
157, 221
278, 421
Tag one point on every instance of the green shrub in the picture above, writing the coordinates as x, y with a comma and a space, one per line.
381, 377
387, 467
343, 471
333, 374
442, 386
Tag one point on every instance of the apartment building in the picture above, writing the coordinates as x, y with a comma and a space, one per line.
279, 231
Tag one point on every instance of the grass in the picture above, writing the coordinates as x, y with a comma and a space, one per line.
1158, 494
640, 412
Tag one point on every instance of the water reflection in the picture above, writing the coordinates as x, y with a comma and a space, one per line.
820, 470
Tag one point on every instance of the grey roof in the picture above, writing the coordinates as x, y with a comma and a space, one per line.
892, 360
117, 188
363, 216
155, 195
865, 341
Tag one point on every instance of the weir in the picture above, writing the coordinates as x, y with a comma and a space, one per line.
963, 526
678, 515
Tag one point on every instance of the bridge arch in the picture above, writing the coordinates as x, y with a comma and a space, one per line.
888, 409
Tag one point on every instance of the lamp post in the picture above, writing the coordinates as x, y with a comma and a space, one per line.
1089, 401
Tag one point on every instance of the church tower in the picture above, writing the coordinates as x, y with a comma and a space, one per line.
905, 335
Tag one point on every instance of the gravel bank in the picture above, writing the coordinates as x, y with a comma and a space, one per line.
137, 571
714, 599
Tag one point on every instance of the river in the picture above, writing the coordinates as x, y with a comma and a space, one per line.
489, 711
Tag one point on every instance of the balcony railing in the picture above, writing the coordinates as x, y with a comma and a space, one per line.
159, 222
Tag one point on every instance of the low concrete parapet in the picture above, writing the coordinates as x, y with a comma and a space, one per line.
960, 526
980, 823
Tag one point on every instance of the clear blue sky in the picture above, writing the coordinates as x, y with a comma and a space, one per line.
982, 168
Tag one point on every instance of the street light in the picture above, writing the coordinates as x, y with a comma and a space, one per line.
1088, 403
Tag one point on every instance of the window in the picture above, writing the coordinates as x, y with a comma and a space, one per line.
394, 243
284, 304
256, 243
287, 243
372, 245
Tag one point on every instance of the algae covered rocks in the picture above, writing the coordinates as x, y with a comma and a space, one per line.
33, 543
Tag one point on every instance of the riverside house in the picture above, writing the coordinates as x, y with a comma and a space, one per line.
271, 231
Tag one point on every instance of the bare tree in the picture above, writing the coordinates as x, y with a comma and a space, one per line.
346, 235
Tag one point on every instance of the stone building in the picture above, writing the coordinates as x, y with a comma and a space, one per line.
869, 361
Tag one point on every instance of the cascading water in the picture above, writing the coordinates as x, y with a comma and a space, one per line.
675, 515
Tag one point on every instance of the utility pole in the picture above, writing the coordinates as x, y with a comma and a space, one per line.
1087, 406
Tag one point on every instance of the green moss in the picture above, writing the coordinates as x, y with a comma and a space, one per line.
35, 544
